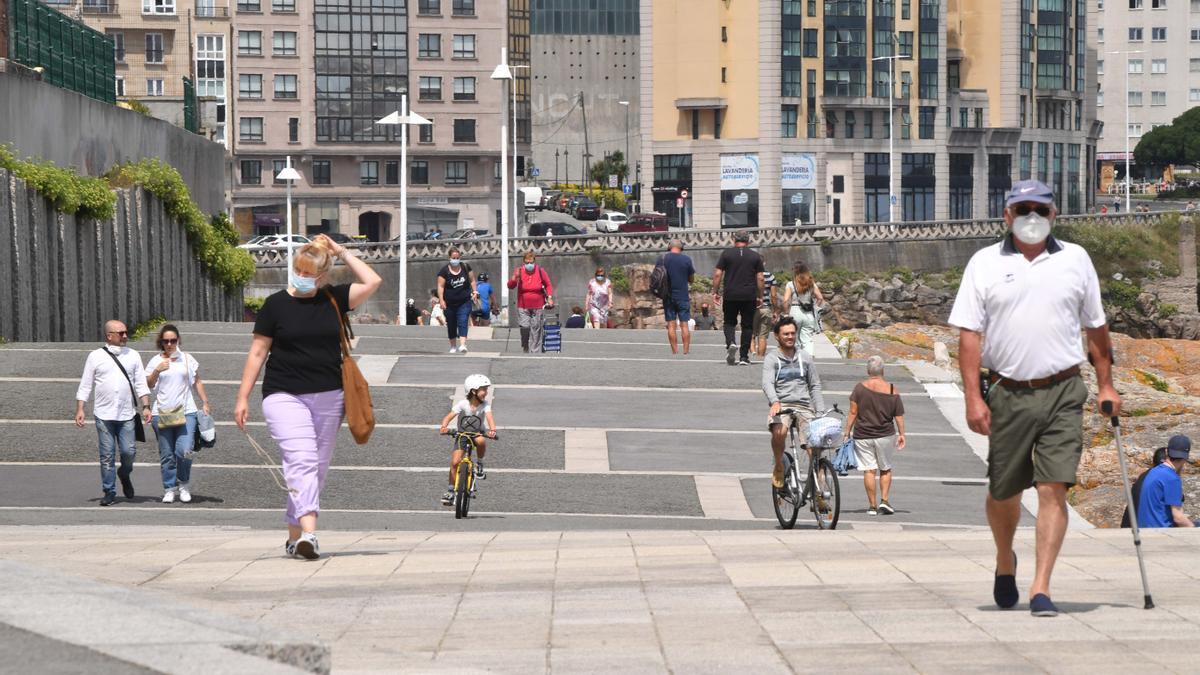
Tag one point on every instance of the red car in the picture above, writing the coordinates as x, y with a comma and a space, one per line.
645, 222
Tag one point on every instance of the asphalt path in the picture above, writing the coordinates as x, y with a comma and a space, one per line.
615, 432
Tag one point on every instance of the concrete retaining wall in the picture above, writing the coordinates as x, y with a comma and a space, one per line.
61, 277
41, 121
570, 272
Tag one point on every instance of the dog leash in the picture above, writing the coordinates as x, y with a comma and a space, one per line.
275, 471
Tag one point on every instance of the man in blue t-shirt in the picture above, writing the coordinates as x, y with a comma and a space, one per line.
483, 316
1161, 501
678, 307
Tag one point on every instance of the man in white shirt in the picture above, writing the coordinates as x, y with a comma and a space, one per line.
1030, 295
114, 406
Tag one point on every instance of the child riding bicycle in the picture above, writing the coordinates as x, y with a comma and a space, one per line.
474, 416
790, 381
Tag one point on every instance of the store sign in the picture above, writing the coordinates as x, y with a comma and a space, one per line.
432, 201
739, 172
799, 171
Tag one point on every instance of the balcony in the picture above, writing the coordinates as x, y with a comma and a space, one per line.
99, 8
211, 11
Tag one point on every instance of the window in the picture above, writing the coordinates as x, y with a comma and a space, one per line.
850, 123
917, 183
251, 172
430, 88
321, 172
464, 89
929, 45
368, 173
925, 121
250, 42
158, 6
464, 131
154, 48
1158, 66
905, 84
425, 133
1135, 34
1135, 4
1026, 160
154, 87
790, 119
962, 117
118, 46
464, 46
120, 86
844, 43
905, 124
210, 65
1195, 35
845, 83
249, 85
284, 43
429, 46
1135, 66
810, 42
791, 7
905, 9
979, 118
1158, 34
929, 85
1193, 95
429, 7
1135, 129
251, 129
391, 172
283, 6
875, 184
277, 166
953, 75
1100, 99
1158, 98
868, 125
1099, 35
1158, 4
249, 6
904, 42
456, 172
1099, 66
1050, 37
1194, 65
464, 8
285, 86
418, 173
293, 130
793, 84
961, 185
1043, 167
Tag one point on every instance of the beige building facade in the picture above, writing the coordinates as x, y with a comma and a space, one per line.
778, 112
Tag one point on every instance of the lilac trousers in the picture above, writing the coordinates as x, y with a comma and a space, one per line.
305, 426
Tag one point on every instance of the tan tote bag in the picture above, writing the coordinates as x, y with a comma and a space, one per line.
360, 414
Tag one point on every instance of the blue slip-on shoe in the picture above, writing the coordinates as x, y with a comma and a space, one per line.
1040, 605
1004, 588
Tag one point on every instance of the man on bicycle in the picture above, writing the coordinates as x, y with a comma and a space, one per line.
789, 380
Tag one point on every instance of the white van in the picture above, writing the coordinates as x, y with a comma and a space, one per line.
610, 221
532, 197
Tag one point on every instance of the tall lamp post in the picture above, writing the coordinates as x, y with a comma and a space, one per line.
403, 117
625, 104
891, 127
1127, 52
289, 175
503, 72
556, 166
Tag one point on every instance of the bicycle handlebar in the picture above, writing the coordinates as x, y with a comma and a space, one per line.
471, 433
824, 413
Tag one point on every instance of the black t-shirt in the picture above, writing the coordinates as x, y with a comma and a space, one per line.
458, 286
741, 266
412, 313
306, 351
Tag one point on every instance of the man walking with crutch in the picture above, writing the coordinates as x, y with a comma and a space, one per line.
1030, 294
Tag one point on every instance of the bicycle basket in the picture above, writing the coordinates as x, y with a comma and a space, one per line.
470, 424
825, 432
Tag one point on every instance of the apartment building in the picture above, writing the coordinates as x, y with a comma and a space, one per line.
1154, 46
155, 52
586, 61
779, 112
311, 80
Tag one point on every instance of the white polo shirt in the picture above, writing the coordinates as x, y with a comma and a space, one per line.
1031, 312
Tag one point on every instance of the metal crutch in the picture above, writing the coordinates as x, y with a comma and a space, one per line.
1106, 408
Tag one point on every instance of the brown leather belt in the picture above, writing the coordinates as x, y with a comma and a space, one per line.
1039, 383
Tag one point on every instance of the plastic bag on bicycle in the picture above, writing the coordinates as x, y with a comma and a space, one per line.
825, 432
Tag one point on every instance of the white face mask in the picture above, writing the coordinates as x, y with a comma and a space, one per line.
115, 349
1031, 228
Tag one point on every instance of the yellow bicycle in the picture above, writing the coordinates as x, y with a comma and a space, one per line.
464, 476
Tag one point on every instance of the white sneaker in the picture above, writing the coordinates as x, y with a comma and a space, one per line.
184, 495
169, 496
306, 546
462, 349
453, 350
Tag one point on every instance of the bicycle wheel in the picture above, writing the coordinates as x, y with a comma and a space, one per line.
787, 498
827, 501
462, 490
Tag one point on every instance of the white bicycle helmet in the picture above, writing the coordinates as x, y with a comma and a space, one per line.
476, 381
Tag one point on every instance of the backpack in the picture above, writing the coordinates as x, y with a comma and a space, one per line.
660, 284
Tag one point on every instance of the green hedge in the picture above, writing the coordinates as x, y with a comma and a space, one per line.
64, 188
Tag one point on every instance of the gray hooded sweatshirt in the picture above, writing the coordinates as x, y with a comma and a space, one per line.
792, 380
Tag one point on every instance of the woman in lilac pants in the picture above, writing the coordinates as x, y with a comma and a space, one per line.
302, 389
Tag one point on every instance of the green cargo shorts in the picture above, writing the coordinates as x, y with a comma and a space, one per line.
1037, 436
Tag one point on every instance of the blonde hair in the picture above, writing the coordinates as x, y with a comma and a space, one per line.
314, 259
529, 256
802, 276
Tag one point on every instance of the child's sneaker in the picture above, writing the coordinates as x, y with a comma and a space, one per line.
448, 498
480, 473
306, 546
885, 509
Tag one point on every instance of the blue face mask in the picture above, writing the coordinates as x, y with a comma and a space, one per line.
455, 262
302, 284
528, 267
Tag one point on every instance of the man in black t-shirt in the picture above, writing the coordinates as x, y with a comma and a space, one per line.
741, 268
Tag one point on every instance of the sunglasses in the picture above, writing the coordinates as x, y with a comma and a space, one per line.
1042, 210
118, 332
170, 341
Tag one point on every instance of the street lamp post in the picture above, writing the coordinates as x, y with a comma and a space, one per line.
556, 167
403, 117
626, 105
891, 127
289, 175
567, 163
502, 72
1127, 53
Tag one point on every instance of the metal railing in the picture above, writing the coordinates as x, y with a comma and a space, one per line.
212, 12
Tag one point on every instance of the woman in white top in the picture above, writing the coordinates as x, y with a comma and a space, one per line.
599, 299
171, 374
802, 297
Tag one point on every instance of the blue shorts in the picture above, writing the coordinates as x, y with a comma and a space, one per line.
678, 309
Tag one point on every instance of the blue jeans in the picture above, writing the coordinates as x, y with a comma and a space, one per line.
113, 434
173, 442
457, 320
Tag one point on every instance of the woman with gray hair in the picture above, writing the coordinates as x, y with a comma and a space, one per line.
876, 423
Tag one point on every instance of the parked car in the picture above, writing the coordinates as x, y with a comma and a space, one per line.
549, 199
468, 234
557, 229
274, 241
586, 209
645, 222
531, 197
341, 238
610, 221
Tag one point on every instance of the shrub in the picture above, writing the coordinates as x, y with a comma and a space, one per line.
905, 274
700, 284
254, 304
837, 277
1166, 310
64, 188
1121, 294
620, 280
1128, 248
146, 327
138, 107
